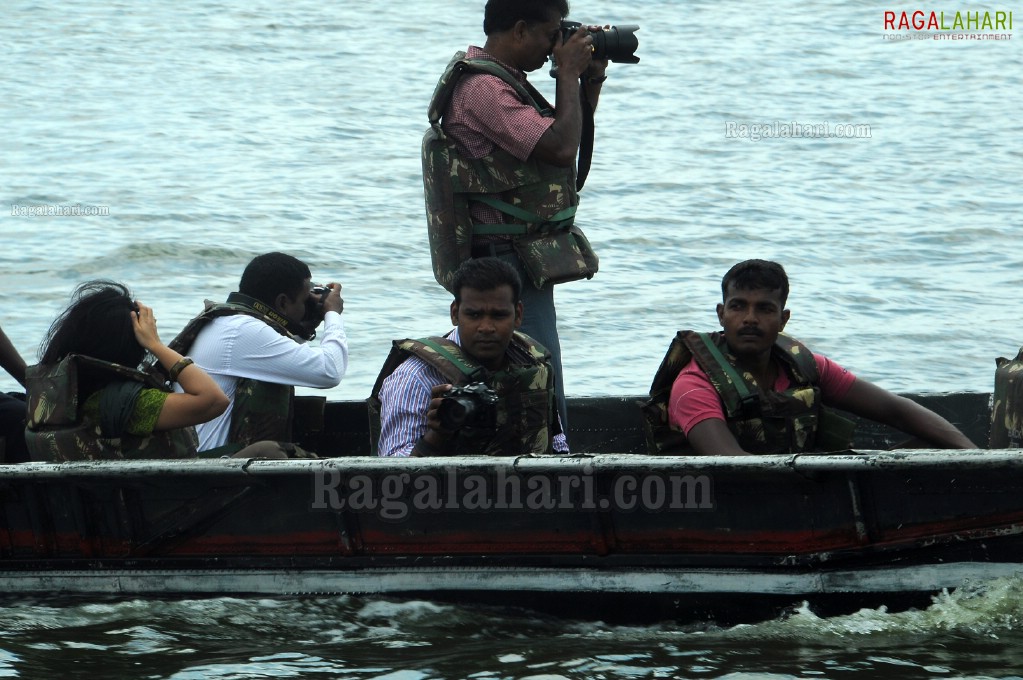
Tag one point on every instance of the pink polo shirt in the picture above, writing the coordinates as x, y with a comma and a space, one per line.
694, 399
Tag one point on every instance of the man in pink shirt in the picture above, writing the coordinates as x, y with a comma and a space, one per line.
751, 389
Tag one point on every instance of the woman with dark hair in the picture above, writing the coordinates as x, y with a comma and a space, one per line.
88, 398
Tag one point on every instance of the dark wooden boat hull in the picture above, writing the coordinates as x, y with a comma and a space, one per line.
612, 532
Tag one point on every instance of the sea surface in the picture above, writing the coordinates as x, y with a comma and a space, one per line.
185, 138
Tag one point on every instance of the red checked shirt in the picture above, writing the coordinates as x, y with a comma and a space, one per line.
486, 111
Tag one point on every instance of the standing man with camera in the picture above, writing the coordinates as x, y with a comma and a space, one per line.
255, 346
499, 171
484, 388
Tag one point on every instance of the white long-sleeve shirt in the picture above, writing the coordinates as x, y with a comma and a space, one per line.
240, 346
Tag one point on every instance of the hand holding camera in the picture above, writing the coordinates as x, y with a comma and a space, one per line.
454, 407
322, 299
332, 301
572, 55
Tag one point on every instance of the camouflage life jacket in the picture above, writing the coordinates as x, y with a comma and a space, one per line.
523, 420
1007, 404
57, 430
536, 197
762, 421
261, 410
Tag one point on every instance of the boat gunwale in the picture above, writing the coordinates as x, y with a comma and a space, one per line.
851, 461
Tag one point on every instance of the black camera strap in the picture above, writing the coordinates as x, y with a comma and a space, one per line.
586, 141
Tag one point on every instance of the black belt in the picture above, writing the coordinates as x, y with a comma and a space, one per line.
493, 249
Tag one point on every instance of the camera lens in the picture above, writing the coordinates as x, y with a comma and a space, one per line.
617, 44
455, 411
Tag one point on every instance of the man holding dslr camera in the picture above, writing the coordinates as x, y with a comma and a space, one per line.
484, 388
255, 348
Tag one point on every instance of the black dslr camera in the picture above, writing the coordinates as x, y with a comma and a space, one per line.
314, 303
468, 405
617, 43
314, 310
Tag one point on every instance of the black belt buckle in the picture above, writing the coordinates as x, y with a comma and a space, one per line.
493, 249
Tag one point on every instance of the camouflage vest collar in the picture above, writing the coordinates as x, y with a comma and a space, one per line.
738, 389
461, 65
183, 341
763, 420
271, 316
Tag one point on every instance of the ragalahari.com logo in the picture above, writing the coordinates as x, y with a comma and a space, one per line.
941, 25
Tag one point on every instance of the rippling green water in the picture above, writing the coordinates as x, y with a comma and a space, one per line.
212, 131
973, 633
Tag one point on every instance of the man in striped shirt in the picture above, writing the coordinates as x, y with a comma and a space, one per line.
484, 346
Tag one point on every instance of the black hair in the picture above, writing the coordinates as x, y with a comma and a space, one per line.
270, 274
486, 273
756, 274
502, 15
96, 324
